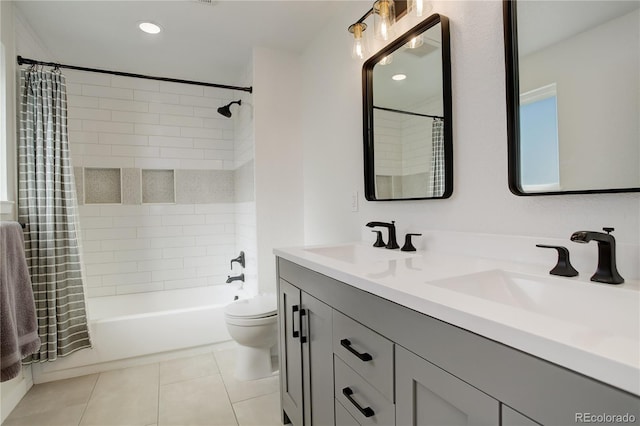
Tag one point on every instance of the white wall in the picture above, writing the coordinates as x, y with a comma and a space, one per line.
481, 201
245, 215
278, 157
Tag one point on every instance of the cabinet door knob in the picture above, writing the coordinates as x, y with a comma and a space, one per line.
346, 343
366, 411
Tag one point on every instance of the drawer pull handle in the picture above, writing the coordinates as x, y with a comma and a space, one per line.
346, 343
294, 309
366, 411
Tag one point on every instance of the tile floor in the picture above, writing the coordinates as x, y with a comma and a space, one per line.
198, 390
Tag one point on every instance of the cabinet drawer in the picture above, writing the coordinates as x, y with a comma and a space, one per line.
343, 418
364, 350
365, 404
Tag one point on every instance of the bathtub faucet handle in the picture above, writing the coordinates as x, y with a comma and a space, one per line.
239, 259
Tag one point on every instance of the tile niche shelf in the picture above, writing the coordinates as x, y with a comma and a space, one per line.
102, 186
158, 187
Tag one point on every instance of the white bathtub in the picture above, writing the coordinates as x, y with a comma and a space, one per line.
131, 327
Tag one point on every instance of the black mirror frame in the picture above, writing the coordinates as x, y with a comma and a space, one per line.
367, 108
510, 18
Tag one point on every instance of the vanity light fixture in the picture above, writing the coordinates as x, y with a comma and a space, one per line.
384, 12
149, 27
384, 16
398, 77
359, 49
418, 7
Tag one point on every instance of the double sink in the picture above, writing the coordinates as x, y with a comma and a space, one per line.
601, 309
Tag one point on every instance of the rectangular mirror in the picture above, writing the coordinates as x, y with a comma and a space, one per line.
408, 150
573, 96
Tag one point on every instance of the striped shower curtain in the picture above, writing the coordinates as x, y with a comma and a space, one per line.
47, 204
437, 158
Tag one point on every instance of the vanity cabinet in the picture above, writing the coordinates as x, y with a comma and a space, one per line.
305, 340
413, 369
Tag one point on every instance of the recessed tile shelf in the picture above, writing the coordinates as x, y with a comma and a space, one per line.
102, 186
158, 186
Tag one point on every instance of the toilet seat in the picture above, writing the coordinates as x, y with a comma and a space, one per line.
257, 307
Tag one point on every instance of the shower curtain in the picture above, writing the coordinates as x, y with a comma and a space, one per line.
47, 204
437, 158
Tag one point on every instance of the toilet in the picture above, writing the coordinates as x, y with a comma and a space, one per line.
253, 324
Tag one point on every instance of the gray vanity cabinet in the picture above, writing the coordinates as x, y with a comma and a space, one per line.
426, 394
420, 370
305, 340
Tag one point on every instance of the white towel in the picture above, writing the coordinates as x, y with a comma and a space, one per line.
18, 321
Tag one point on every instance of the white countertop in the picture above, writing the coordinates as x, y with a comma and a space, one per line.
598, 334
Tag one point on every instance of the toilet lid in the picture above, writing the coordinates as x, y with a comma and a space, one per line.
255, 307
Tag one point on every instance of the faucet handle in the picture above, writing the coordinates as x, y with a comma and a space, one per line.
563, 267
239, 259
379, 241
608, 230
407, 243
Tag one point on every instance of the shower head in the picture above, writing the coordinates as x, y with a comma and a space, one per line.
226, 111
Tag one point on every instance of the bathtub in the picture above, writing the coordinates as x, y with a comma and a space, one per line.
136, 328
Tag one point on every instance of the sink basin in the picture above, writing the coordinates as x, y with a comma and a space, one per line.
353, 253
612, 310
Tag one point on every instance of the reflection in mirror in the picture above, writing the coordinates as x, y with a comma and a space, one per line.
573, 96
407, 107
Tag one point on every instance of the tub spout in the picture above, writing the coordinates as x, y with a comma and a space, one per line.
231, 279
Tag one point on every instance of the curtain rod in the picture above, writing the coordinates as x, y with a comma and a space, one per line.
25, 61
410, 113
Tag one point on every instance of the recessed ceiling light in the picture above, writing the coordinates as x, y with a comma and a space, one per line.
149, 27
398, 77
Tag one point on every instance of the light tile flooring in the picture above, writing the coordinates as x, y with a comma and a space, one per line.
198, 390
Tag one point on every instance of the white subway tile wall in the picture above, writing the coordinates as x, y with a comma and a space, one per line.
130, 249
130, 123
401, 145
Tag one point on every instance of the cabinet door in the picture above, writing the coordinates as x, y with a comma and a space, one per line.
511, 417
290, 352
428, 395
317, 362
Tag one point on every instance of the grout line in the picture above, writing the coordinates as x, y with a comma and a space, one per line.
89, 399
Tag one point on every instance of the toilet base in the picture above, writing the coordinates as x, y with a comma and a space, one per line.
252, 363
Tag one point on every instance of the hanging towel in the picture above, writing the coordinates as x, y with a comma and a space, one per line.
18, 322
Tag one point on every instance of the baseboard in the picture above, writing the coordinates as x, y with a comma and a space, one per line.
41, 376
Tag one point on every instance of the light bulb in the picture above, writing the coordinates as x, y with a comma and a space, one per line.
359, 49
419, 7
386, 60
384, 18
414, 42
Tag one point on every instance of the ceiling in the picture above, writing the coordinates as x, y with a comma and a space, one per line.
209, 42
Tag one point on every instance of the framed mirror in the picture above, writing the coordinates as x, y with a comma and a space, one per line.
573, 96
408, 142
